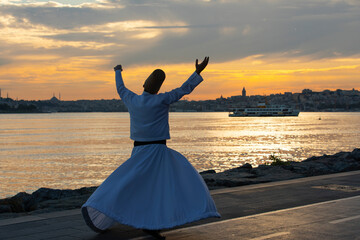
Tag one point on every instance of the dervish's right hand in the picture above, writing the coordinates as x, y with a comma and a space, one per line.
118, 67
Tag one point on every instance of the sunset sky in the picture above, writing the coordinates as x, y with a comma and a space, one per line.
266, 46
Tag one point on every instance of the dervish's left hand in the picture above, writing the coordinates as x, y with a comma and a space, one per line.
200, 67
118, 67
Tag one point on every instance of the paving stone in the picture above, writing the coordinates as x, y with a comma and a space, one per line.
66, 238
21, 238
54, 233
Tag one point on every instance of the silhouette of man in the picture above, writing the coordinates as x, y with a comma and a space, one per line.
156, 188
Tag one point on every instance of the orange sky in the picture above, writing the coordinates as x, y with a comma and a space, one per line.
79, 78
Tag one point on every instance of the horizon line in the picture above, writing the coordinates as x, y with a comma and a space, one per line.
59, 98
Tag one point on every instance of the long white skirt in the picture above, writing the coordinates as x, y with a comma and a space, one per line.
156, 188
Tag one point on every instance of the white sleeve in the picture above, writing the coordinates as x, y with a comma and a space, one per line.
187, 87
124, 93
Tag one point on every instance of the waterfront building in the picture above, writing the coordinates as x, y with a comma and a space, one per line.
54, 99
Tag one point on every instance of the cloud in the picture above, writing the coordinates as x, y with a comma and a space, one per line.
4, 61
175, 31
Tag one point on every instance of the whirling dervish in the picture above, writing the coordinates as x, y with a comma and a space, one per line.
157, 187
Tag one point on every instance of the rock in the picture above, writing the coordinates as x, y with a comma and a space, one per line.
264, 167
289, 166
46, 198
261, 170
225, 182
44, 194
314, 158
355, 154
87, 190
21, 202
341, 155
5, 208
246, 166
316, 168
208, 172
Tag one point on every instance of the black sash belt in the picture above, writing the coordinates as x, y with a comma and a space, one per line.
137, 143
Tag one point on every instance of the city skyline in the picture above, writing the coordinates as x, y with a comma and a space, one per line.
307, 100
244, 93
268, 46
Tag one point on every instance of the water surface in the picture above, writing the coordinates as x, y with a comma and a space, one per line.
72, 150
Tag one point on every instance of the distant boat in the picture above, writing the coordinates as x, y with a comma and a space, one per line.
263, 110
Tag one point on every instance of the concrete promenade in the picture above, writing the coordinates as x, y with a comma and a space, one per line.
321, 207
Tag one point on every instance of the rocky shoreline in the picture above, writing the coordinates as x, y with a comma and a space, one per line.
48, 200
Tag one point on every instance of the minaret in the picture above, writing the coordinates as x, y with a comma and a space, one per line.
59, 96
244, 92
0, 92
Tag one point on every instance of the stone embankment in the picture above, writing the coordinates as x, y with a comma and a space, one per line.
48, 200
282, 170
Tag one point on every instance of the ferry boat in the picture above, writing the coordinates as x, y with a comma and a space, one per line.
263, 110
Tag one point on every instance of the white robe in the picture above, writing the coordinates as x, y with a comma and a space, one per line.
157, 187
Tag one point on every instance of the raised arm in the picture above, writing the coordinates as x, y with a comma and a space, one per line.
194, 80
124, 93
